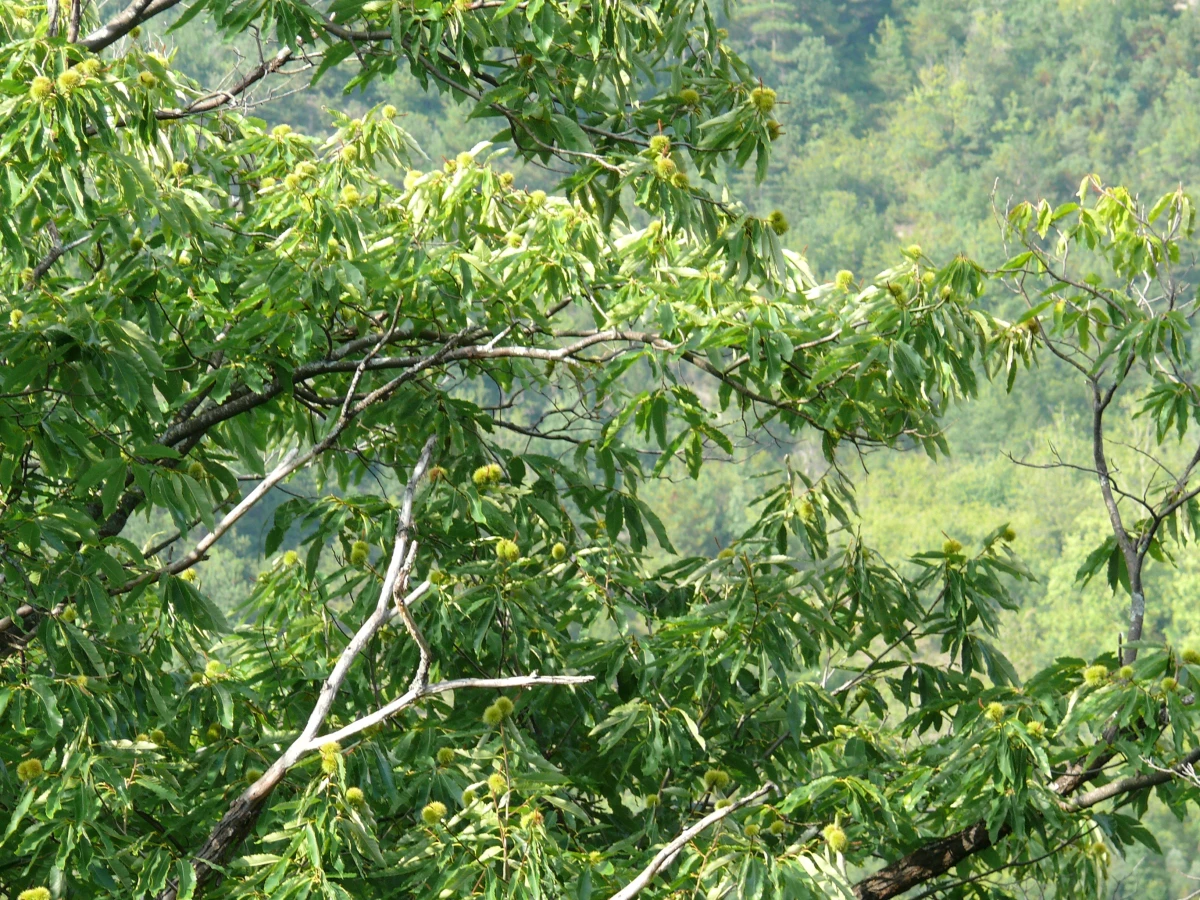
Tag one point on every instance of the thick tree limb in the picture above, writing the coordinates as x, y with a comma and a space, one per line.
925, 863
73, 21
1016, 864
124, 22
939, 856
1133, 783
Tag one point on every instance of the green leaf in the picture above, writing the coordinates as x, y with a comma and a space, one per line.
44, 688
614, 516
185, 879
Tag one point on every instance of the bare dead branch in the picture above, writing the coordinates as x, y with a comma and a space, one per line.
240, 818
667, 854
415, 695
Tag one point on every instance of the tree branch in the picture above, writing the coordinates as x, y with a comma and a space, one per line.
73, 21
1133, 783
188, 433
58, 251
1133, 563
291, 463
217, 99
667, 854
243, 813
124, 22
939, 856
414, 695
1021, 863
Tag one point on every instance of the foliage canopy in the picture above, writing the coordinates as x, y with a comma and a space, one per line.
469, 671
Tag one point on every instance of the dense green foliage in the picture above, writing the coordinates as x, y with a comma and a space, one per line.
440, 415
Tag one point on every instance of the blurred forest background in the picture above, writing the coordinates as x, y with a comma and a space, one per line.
908, 121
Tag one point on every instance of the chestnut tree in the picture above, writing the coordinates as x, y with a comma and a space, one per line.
472, 663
